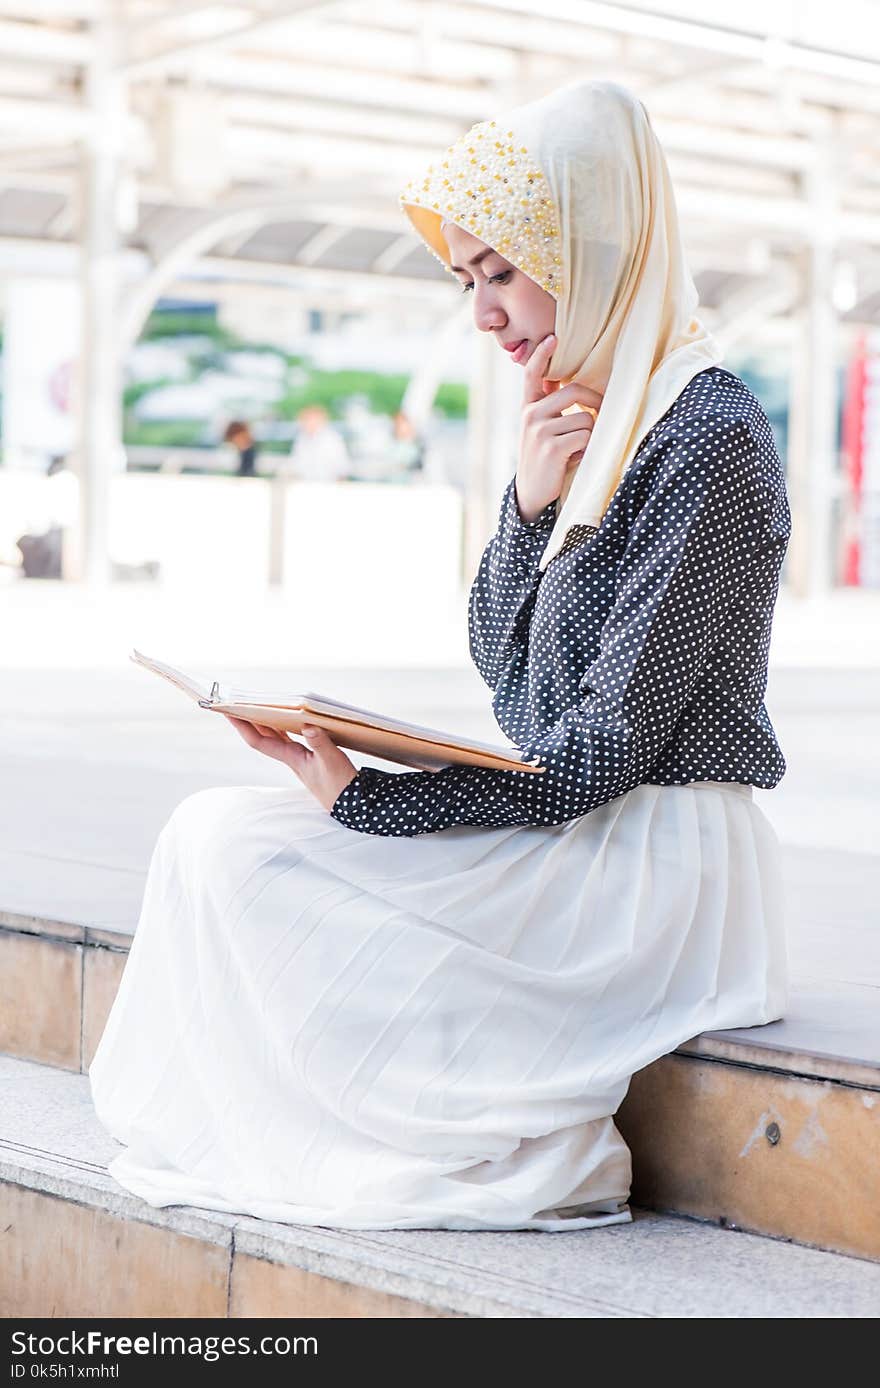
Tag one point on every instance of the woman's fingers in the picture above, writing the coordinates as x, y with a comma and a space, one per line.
560, 436
535, 369
255, 734
573, 394
272, 742
556, 425
323, 768
538, 390
565, 424
243, 728
572, 446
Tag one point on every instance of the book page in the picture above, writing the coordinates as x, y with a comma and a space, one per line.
319, 703
390, 744
312, 702
181, 681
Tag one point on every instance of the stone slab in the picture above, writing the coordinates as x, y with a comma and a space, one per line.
658, 1266
830, 1030
41, 998
263, 1289
796, 1158
64, 1259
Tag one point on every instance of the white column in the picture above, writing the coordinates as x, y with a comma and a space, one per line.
813, 401
278, 489
99, 444
495, 402
476, 515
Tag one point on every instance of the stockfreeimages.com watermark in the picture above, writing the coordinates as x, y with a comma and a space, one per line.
94, 1343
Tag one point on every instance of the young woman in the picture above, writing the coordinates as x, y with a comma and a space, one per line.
412, 999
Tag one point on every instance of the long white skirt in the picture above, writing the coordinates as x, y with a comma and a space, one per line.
325, 1027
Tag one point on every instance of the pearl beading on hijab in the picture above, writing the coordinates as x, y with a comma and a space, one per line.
578, 194
492, 188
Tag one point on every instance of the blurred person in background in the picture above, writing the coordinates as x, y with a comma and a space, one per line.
319, 453
238, 433
406, 453
42, 552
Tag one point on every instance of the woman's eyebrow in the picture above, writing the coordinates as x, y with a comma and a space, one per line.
476, 260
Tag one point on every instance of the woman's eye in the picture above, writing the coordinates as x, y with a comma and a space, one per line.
503, 276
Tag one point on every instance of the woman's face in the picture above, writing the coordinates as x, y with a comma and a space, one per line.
507, 303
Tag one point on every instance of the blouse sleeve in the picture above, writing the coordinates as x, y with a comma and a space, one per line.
502, 593
696, 520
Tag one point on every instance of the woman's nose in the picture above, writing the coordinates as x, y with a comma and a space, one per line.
488, 316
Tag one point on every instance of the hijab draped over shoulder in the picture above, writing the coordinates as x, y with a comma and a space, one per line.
573, 189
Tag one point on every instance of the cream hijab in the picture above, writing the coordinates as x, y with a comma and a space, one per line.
573, 189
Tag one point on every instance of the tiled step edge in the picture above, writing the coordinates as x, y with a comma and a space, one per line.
725, 1128
74, 1243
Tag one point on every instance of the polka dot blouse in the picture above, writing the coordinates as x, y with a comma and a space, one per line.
640, 653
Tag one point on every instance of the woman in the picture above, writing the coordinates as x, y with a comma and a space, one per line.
238, 433
412, 999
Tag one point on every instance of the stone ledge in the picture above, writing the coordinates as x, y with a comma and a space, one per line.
788, 1155
77, 1244
92, 1248
818, 1038
688, 1118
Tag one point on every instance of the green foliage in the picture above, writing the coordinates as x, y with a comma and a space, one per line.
135, 392
382, 392
332, 388
452, 400
280, 446
164, 433
162, 324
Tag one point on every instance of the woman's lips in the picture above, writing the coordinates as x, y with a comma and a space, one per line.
517, 354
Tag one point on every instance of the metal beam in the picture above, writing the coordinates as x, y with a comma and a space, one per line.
646, 23
36, 43
743, 315
169, 58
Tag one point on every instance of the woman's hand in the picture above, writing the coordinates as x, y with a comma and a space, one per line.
320, 765
551, 444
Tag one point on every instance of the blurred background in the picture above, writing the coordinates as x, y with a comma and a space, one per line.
247, 422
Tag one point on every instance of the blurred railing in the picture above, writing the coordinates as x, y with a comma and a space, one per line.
247, 533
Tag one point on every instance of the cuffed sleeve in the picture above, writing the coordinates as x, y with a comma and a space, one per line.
696, 523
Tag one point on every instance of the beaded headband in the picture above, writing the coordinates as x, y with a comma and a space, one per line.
489, 185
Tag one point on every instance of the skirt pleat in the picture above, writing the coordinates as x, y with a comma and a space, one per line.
323, 1027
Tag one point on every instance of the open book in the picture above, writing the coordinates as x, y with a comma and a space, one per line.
359, 729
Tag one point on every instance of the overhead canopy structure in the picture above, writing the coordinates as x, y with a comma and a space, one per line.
268, 139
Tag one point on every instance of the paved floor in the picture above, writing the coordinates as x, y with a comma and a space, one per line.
97, 752
94, 762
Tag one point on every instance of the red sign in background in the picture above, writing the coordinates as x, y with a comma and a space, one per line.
860, 539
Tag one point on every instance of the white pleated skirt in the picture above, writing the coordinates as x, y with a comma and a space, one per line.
324, 1027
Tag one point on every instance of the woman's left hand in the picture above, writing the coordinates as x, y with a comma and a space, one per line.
320, 765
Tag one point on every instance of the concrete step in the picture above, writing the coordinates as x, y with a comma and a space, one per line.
772, 1129
73, 1244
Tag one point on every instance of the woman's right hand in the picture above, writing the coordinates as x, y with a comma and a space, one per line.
550, 442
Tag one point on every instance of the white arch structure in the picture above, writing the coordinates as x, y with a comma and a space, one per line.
770, 119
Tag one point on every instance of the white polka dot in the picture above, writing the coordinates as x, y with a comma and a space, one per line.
640, 653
